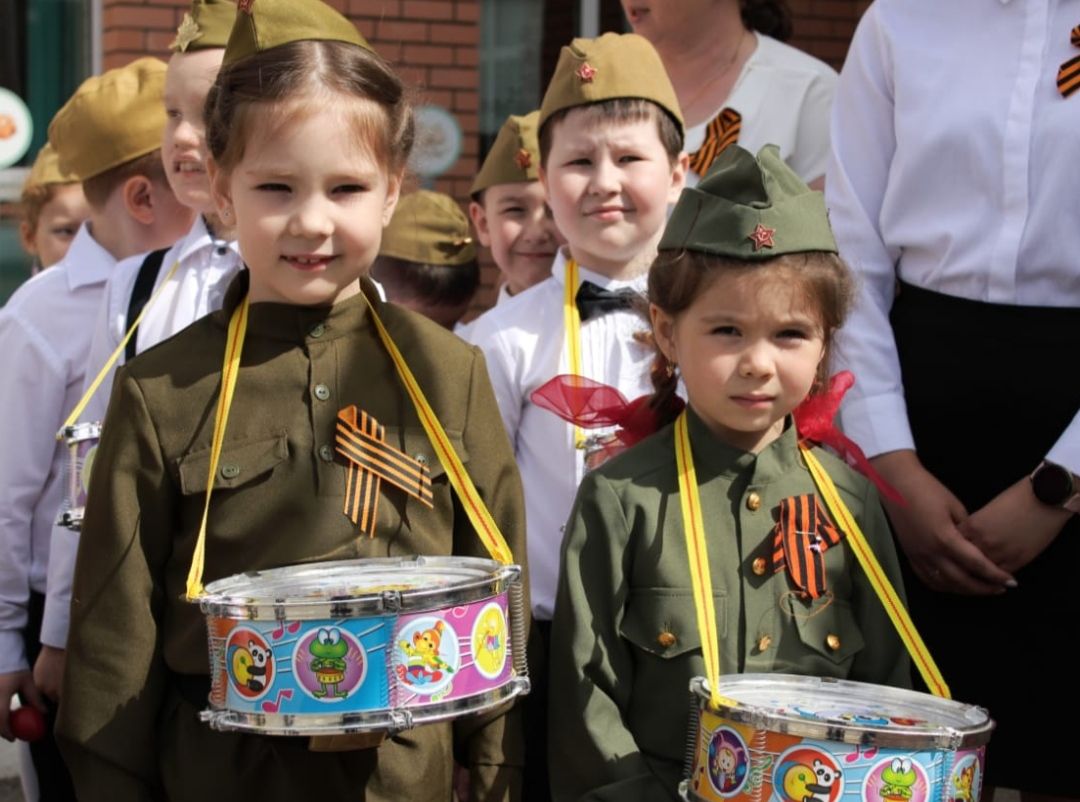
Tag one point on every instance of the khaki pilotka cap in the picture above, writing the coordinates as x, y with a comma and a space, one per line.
750, 209
205, 27
265, 24
46, 170
514, 158
428, 228
611, 66
112, 119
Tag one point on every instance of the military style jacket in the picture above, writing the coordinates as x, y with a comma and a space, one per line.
625, 640
126, 731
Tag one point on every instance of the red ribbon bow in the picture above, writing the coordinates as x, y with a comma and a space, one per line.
815, 421
591, 404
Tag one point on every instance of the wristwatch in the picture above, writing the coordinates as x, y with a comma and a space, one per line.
1056, 486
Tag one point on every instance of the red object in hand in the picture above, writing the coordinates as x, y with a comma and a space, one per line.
27, 724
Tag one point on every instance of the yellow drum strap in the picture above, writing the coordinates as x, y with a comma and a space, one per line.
572, 325
234, 345
700, 577
878, 580
474, 506
93, 388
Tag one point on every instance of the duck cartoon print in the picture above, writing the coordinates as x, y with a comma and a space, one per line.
328, 651
424, 664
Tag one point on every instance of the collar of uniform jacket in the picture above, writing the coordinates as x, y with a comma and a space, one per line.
713, 457
293, 323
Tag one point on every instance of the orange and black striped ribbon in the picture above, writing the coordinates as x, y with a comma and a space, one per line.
1068, 77
803, 533
722, 130
371, 461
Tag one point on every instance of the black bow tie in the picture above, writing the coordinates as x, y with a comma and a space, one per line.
593, 300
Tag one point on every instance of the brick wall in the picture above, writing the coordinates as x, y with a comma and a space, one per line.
824, 28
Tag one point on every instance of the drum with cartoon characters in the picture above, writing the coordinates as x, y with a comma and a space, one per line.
361, 646
809, 739
82, 442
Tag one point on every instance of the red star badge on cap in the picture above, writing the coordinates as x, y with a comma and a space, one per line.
761, 237
586, 72
245, 5
523, 159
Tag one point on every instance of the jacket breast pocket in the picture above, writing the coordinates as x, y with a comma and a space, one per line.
830, 630
240, 463
663, 621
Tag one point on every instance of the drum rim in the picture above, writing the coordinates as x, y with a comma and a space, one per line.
390, 720
496, 580
942, 737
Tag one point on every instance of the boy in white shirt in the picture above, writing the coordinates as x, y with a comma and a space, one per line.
611, 137
107, 135
192, 274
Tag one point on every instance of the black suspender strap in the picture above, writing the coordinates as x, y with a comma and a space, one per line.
140, 294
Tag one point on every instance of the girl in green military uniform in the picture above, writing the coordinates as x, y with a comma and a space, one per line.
745, 297
309, 131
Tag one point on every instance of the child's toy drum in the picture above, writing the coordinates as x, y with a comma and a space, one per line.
82, 441
806, 739
363, 645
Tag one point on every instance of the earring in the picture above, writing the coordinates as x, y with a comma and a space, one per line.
670, 369
226, 214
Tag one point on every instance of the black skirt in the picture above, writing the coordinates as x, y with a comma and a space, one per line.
989, 389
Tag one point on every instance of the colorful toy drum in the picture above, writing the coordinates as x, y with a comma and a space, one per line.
82, 442
807, 739
363, 645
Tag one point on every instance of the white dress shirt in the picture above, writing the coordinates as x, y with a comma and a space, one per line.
784, 96
955, 167
524, 343
463, 330
44, 338
205, 268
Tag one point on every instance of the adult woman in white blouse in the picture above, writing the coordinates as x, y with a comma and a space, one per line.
727, 54
953, 190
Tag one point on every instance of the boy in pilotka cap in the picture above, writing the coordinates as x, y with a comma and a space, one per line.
108, 136
509, 210
194, 271
427, 259
51, 209
610, 135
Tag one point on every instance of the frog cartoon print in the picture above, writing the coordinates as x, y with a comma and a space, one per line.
897, 780
328, 650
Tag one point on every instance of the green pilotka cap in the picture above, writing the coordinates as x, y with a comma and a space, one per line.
265, 24
615, 65
747, 208
46, 170
207, 25
428, 228
514, 157
112, 119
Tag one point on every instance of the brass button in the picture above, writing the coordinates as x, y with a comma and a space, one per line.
753, 502
833, 641
322, 392
230, 471
764, 642
666, 639
326, 454
318, 330
758, 566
